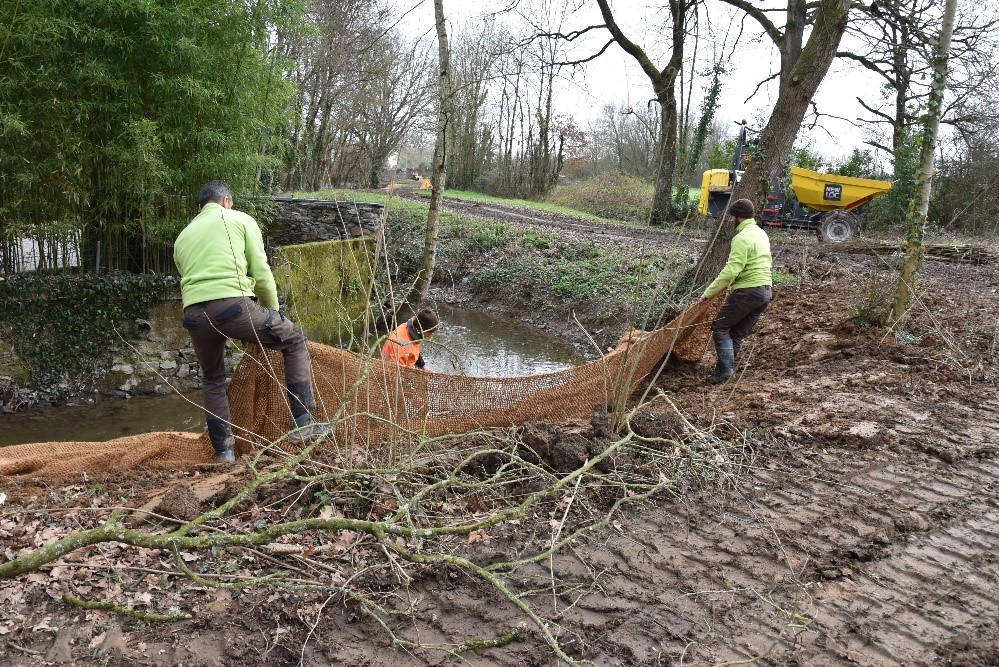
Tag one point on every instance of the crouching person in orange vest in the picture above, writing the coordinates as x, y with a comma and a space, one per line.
403, 345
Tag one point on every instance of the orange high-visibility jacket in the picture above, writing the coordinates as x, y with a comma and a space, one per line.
401, 348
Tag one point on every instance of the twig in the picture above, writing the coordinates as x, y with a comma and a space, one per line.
312, 628
25, 650
555, 536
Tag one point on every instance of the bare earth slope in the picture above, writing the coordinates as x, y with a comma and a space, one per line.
860, 526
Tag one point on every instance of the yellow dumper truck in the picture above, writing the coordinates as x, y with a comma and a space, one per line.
826, 203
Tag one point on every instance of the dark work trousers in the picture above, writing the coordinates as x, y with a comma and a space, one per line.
210, 323
739, 314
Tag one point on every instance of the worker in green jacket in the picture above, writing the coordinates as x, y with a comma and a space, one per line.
748, 277
229, 291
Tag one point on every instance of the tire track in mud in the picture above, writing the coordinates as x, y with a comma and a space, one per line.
849, 557
554, 222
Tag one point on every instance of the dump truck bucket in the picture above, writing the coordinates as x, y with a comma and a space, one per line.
828, 192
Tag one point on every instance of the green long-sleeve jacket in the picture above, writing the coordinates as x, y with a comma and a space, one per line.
220, 254
749, 261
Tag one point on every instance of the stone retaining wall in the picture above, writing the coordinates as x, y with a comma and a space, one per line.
297, 221
159, 359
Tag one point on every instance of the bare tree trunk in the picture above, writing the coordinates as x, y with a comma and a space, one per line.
918, 208
664, 84
421, 285
662, 197
778, 136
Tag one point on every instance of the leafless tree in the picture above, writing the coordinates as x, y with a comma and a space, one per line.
360, 88
530, 138
398, 92
475, 59
324, 72
664, 85
445, 101
896, 39
625, 139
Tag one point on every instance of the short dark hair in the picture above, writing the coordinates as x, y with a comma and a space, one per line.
426, 321
213, 191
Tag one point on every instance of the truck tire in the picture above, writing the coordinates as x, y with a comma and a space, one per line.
838, 226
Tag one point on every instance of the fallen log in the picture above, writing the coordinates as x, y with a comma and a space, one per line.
948, 252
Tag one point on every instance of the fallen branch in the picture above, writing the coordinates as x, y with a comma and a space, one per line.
148, 616
949, 252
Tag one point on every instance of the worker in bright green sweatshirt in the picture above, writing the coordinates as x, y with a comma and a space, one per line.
748, 277
229, 292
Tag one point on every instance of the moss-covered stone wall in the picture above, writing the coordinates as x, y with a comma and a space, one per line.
327, 286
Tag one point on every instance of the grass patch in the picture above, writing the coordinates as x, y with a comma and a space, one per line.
579, 272
785, 278
534, 239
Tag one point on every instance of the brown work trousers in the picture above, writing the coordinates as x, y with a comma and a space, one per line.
739, 314
211, 323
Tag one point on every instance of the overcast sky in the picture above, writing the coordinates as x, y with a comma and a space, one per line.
615, 78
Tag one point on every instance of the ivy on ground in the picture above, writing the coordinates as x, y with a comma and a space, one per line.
65, 326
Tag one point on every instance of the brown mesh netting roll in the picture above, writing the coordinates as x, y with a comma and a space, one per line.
375, 406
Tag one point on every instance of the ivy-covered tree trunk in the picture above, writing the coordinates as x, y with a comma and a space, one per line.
916, 222
777, 138
695, 149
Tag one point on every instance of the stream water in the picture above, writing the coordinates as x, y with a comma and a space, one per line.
105, 420
468, 343
473, 343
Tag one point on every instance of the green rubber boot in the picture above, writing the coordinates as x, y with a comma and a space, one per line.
725, 367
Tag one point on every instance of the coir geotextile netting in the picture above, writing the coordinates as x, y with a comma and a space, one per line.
376, 407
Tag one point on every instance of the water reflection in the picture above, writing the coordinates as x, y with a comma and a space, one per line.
105, 420
474, 343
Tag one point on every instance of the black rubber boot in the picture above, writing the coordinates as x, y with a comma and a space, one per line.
223, 441
300, 398
726, 362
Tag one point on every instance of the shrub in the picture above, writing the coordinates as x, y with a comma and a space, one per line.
408, 257
491, 236
871, 301
612, 195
